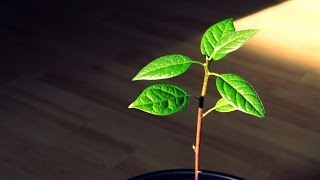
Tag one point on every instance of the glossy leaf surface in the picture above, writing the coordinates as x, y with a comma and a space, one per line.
240, 94
214, 34
164, 67
232, 42
224, 106
161, 99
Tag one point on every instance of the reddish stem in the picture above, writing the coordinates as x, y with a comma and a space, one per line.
199, 121
198, 140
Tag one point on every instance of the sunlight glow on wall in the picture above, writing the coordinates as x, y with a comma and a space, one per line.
289, 31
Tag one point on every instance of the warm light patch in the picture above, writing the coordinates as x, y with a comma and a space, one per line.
289, 31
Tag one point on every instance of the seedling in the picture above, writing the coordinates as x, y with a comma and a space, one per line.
236, 93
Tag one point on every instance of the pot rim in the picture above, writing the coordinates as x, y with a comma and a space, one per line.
185, 171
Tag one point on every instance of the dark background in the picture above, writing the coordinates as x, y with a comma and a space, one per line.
65, 84
36, 34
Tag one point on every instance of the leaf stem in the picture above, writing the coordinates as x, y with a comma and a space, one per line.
198, 62
207, 112
214, 74
200, 118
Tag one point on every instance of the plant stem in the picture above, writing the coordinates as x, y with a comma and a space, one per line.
200, 118
207, 112
214, 74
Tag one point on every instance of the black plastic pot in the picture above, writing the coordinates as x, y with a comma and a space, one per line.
184, 174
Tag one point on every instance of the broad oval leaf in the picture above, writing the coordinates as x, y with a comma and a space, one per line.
214, 34
164, 67
232, 42
223, 105
240, 94
161, 100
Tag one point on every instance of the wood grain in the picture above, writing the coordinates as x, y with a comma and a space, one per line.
65, 86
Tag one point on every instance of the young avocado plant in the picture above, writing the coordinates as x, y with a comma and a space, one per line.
236, 93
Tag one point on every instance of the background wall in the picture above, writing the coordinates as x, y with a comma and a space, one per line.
65, 84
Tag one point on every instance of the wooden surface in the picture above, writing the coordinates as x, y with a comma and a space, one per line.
65, 85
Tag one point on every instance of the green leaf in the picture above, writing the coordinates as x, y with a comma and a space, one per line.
164, 67
231, 42
223, 105
214, 34
240, 94
161, 100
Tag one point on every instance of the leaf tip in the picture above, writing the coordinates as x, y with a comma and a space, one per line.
261, 114
131, 106
135, 78
230, 19
255, 30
